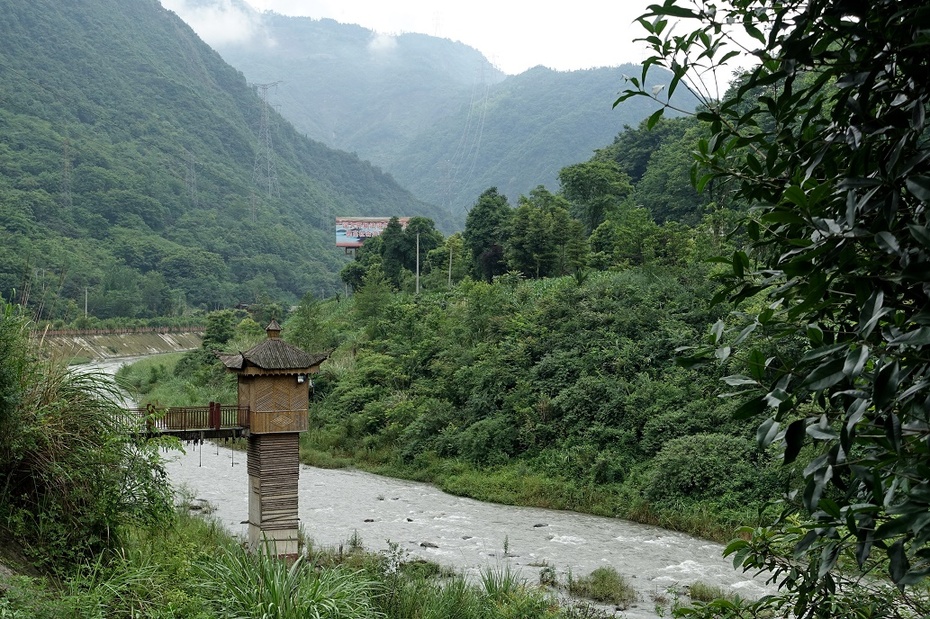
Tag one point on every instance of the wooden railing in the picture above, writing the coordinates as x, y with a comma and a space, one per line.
213, 417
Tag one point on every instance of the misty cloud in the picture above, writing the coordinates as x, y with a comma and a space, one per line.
221, 22
382, 43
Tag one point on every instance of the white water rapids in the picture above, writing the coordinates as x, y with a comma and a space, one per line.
466, 534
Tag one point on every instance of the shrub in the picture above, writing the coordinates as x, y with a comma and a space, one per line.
702, 466
606, 585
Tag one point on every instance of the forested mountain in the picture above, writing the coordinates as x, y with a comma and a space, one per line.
134, 171
519, 134
354, 89
432, 112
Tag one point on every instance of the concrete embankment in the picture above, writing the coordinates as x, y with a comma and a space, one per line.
85, 347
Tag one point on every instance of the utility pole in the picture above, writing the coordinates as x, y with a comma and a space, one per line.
265, 175
418, 263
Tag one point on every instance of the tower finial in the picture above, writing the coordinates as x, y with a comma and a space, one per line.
273, 330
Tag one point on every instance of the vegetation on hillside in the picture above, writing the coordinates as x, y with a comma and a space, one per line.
518, 135
128, 160
553, 392
351, 88
90, 507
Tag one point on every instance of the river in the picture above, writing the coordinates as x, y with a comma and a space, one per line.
466, 534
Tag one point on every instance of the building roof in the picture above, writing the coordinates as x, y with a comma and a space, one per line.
273, 354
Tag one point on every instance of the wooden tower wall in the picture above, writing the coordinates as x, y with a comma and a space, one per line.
274, 469
276, 403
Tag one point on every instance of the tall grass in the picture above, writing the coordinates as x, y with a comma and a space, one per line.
112, 586
70, 473
264, 587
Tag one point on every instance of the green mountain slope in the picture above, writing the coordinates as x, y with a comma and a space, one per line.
520, 134
432, 112
128, 153
352, 89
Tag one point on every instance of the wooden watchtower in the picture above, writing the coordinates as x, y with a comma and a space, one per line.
274, 382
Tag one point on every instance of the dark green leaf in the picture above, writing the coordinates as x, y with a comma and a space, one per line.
822, 433
802, 546
871, 312
886, 384
756, 364
887, 242
855, 361
898, 564
825, 375
750, 408
828, 557
921, 234
754, 32
717, 331
895, 527
737, 380
795, 195
671, 10
919, 185
917, 337
767, 432
654, 118
782, 216
794, 440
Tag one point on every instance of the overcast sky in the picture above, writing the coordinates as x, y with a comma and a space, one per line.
513, 35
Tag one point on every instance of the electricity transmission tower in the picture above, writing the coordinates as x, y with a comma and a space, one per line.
265, 174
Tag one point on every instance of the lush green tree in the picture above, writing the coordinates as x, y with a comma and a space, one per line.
353, 274
306, 329
374, 294
834, 159
594, 188
542, 239
448, 264
420, 232
665, 187
485, 232
624, 240
633, 147
220, 329
394, 252
530, 247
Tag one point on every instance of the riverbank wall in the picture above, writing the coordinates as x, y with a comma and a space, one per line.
101, 346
